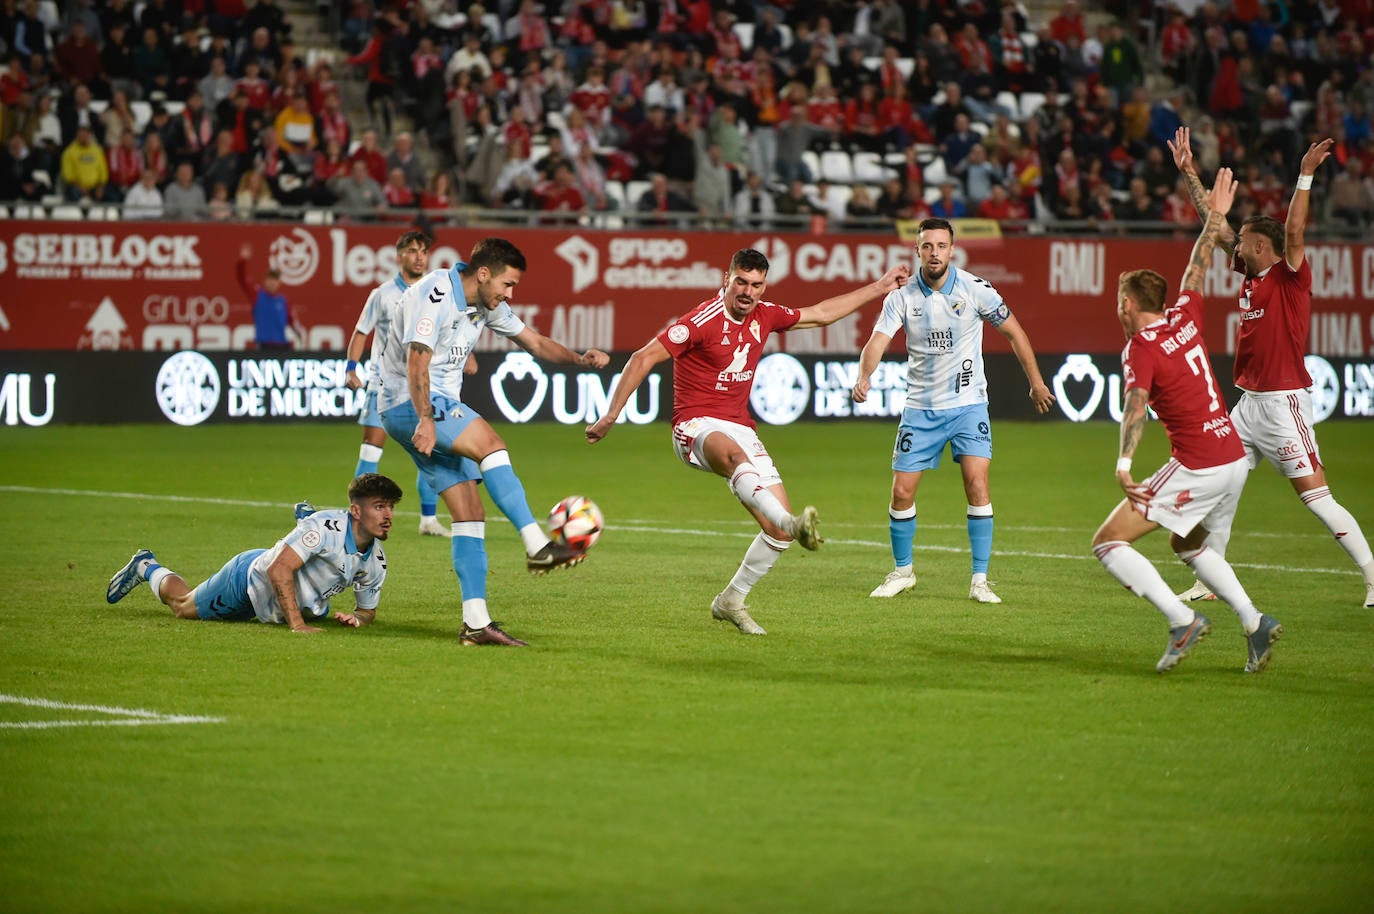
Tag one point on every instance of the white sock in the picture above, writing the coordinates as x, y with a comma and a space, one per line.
1214, 571
978, 577
749, 489
1343, 527
1137, 575
475, 614
534, 538
155, 582
370, 453
762, 554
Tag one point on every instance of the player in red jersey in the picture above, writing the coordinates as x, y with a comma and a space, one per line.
1165, 366
715, 349
1274, 415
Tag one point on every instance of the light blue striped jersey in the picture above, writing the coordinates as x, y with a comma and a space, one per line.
944, 337
333, 564
376, 319
435, 313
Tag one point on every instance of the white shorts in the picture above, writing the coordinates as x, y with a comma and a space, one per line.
1183, 498
689, 438
1277, 425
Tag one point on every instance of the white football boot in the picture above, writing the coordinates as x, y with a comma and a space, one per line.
896, 582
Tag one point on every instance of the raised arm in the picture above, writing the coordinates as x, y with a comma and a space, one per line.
1218, 205
631, 376
1182, 150
832, 309
249, 287
1295, 229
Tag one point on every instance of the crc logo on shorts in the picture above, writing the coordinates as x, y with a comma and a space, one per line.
187, 388
678, 334
1326, 387
295, 257
781, 391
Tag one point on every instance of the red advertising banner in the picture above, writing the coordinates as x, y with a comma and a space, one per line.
162, 286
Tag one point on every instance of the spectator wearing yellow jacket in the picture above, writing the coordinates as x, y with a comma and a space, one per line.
84, 170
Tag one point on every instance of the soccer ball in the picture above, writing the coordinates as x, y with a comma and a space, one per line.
578, 521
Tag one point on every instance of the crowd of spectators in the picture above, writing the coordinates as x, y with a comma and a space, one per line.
720, 111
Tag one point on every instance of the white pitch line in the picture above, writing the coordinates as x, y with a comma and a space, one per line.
649, 527
125, 717
960, 550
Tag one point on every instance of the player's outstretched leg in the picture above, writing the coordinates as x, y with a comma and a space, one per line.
1347, 532
748, 487
542, 554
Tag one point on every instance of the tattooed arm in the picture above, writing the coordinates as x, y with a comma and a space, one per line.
1182, 150
1134, 414
1218, 204
417, 376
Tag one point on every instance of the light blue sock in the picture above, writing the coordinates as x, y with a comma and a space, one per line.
470, 559
901, 528
980, 536
506, 490
429, 499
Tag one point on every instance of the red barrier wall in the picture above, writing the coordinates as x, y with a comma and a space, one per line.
90, 285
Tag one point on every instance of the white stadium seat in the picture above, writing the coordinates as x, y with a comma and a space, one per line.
837, 167
869, 168
745, 31
812, 163
1031, 103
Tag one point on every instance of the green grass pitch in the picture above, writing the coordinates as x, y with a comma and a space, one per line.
918, 754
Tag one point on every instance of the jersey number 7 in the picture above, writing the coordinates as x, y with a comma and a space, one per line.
1197, 360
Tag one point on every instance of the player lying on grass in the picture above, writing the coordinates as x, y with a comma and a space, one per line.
715, 349
1165, 366
328, 552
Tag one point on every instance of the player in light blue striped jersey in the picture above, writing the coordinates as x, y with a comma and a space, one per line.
434, 327
412, 260
942, 314
327, 553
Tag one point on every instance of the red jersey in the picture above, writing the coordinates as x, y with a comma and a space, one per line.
1168, 360
714, 357
1275, 319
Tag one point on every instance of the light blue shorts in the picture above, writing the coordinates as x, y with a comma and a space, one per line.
923, 434
443, 469
369, 417
224, 596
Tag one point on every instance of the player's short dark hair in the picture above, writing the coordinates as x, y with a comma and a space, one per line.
1146, 288
748, 259
496, 254
410, 238
1270, 228
935, 222
373, 485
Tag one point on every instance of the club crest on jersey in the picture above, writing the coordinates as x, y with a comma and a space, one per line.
754, 329
957, 306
